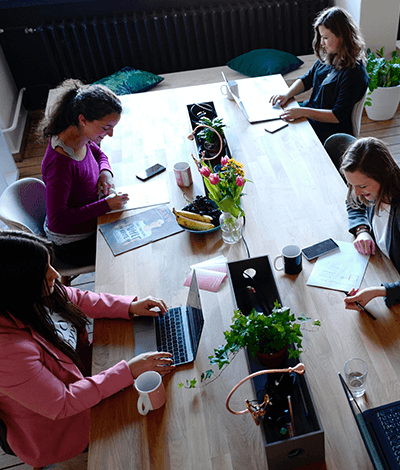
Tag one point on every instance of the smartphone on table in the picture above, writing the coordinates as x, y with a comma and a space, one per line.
319, 249
150, 172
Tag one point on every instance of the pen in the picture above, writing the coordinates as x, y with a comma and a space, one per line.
289, 398
363, 309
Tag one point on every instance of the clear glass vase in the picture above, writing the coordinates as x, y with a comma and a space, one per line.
231, 228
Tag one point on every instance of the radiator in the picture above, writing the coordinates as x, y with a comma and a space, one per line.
175, 40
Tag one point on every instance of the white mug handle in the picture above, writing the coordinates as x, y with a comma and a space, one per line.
143, 404
275, 266
224, 90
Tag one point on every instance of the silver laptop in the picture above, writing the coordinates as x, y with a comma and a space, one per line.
380, 430
178, 331
257, 108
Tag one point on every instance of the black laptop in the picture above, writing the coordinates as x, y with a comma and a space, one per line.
380, 429
177, 332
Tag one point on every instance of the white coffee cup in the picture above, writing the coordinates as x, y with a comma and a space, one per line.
183, 175
226, 92
151, 392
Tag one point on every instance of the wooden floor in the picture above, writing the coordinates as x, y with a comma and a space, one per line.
30, 166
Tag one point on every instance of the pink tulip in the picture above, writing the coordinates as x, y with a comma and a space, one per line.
239, 181
224, 160
214, 178
205, 171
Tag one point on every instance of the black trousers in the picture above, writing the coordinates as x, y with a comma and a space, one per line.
80, 253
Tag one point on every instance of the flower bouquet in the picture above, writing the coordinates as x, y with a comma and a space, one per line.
225, 188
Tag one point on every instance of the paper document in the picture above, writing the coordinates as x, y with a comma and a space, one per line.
150, 193
210, 273
342, 270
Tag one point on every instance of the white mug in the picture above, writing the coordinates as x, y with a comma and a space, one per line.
151, 392
226, 92
183, 175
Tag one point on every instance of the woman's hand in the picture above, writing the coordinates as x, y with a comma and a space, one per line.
279, 99
143, 307
117, 201
364, 244
105, 182
160, 362
363, 297
292, 114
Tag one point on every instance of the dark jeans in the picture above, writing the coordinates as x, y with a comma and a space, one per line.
3, 439
80, 253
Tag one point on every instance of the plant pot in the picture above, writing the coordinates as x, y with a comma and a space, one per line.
384, 103
275, 360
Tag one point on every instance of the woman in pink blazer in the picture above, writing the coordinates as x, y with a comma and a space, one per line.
45, 398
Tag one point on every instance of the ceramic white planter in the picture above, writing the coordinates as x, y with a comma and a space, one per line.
385, 102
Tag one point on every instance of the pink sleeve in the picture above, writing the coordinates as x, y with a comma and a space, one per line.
101, 305
22, 370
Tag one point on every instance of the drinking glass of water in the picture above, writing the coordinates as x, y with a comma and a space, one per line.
356, 371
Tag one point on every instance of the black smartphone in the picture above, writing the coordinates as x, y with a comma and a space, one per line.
150, 172
319, 249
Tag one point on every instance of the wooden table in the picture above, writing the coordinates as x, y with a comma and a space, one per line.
296, 196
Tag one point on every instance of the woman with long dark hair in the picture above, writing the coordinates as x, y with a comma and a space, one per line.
338, 78
46, 390
373, 207
75, 170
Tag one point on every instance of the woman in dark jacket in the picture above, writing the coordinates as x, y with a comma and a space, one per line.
373, 207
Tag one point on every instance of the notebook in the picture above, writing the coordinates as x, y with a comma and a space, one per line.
178, 331
257, 108
380, 429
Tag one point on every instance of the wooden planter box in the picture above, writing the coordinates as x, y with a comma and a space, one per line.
307, 446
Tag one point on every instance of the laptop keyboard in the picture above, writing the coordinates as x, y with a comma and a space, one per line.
170, 329
390, 421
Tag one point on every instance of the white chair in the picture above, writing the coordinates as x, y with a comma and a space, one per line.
356, 115
23, 207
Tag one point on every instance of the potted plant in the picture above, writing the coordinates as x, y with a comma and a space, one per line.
384, 86
211, 140
269, 336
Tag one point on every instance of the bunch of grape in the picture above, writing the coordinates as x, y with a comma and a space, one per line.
204, 206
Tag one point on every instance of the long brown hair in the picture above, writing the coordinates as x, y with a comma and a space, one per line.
352, 49
371, 157
74, 98
24, 291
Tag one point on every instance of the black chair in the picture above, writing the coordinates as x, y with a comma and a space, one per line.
335, 146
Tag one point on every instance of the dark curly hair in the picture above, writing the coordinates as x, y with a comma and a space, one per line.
73, 98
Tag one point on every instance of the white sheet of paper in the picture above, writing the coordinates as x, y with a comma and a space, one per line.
342, 270
150, 193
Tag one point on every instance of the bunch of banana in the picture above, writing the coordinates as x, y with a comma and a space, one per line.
192, 220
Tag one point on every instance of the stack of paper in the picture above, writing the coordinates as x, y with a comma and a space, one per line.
210, 274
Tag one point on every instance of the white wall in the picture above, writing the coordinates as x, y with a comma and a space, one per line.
378, 20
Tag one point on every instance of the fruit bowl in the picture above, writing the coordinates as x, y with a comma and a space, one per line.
203, 208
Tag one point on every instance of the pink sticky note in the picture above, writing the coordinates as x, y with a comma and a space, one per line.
207, 280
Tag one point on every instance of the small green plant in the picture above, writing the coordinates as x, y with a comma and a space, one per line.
259, 333
382, 72
207, 134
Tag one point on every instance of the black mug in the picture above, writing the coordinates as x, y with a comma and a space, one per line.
291, 255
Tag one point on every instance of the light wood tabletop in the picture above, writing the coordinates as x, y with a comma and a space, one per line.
296, 197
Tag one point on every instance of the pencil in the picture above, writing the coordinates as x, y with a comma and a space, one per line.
363, 309
289, 399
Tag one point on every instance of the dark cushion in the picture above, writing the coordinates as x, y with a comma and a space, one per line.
265, 62
129, 80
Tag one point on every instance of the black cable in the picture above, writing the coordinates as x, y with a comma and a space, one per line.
244, 241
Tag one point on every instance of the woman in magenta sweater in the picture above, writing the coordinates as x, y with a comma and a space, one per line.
45, 392
76, 171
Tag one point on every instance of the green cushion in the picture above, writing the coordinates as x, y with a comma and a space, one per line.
265, 62
129, 80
